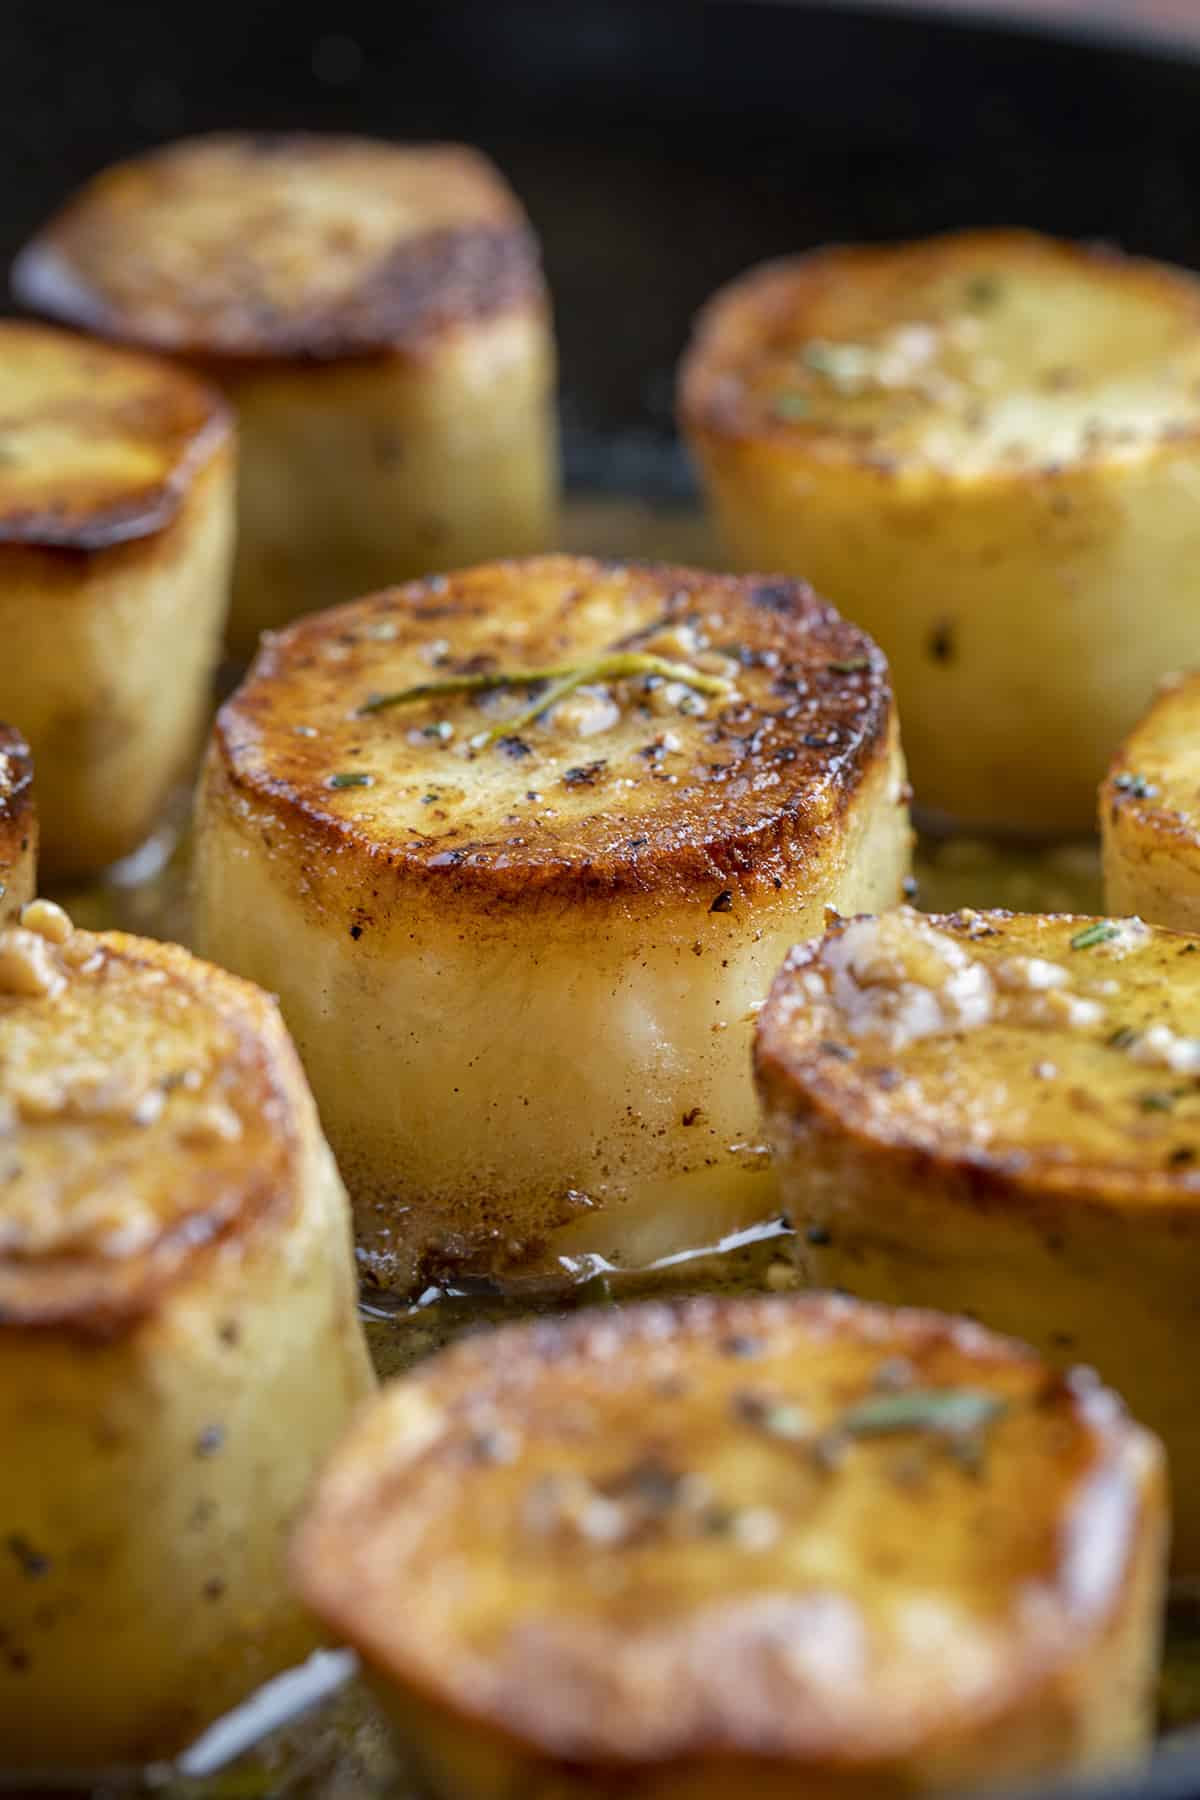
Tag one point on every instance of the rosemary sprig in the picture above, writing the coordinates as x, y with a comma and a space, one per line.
956, 1417
790, 406
1099, 933
564, 678
947, 1412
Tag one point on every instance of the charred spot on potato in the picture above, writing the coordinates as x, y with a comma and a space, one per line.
942, 647
33, 1564
585, 774
776, 596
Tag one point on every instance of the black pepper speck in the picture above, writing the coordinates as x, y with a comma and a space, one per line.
33, 1564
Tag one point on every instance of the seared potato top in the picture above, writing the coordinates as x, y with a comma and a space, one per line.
16, 802
285, 246
981, 353
96, 445
796, 1526
1154, 781
714, 730
1060, 1054
144, 1113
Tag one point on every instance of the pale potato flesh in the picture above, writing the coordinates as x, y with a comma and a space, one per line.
377, 314
522, 976
1150, 813
999, 1114
648, 1553
358, 472
18, 825
179, 1345
986, 449
116, 536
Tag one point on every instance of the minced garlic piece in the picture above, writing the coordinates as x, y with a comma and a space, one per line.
899, 978
1031, 973
1159, 1047
49, 921
210, 1125
27, 966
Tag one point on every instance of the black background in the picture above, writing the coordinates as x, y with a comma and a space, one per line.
660, 147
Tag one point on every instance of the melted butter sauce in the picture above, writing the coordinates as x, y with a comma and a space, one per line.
340, 1750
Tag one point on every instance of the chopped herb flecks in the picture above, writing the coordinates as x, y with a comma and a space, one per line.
948, 1412
1136, 786
784, 1421
983, 290
846, 365
348, 778
791, 406
1102, 932
556, 682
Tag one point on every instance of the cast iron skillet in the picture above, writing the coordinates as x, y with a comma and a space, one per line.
661, 146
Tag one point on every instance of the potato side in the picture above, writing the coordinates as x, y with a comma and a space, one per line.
369, 471
986, 450
1149, 817
116, 535
111, 656
163, 1403
377, 314
969, 1112
18, 825
522, 976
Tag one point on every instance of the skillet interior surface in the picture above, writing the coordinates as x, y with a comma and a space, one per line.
660, 149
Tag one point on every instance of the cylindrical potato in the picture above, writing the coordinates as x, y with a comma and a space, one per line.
519, 933
377, 314
745, 1550
179, 1345
18, 825
985, 448
999, 1114
1150, 813
116, 532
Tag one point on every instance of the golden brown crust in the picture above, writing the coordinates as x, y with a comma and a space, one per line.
18, 820
148, 1118
653, 805
637, 1632
286, 247
1030, 1107
1150, 790
926, 366
98, 446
